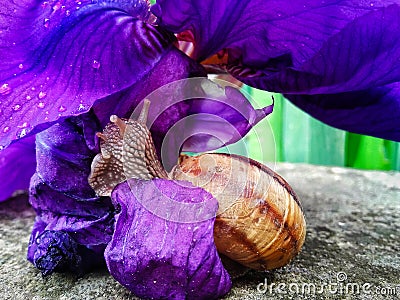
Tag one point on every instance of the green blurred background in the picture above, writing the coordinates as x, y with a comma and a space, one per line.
301, 138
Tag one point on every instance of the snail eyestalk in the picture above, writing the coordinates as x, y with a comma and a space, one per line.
121, 124
101, 135
145, 112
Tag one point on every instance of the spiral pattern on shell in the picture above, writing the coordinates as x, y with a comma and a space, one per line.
260, 222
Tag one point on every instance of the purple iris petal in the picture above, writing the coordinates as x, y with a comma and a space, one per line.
276, 35
64, 202
317, 48
64, 158
17, 165
173, 66
198, 115
57, 60
363, 54
156, 256
55, 251
373, 112
89, 221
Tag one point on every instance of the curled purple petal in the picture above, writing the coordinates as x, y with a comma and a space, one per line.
59, 60
89, 221
373, 112
55, 251
64, 156
63, 200
17, 165
156, 257
197, 114
38, 228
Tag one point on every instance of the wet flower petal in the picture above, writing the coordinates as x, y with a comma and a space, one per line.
125, 102
89, 221
277, 35
155, 255
55, 251
17, 165
62, 68
64, 158
306, 47
373, 112
193, 114
213, 117
363, 54
63, 200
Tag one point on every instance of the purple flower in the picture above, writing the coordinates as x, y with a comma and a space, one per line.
154, 254
68, 65
337, 60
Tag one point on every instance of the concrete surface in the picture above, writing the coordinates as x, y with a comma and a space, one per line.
352, 248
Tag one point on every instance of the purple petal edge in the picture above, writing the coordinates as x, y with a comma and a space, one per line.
374, 112
17, 165
157, 258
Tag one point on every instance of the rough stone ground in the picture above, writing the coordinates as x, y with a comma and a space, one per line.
353, 232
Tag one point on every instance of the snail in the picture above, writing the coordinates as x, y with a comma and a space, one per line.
260, 222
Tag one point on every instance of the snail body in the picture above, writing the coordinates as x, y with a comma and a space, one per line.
260, 222
119, 159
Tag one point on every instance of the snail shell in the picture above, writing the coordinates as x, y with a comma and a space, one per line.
260, 222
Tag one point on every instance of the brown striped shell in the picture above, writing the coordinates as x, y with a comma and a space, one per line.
260, 222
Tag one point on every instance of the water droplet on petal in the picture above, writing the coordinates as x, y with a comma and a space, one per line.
42, 95
46, 23
82, 107
17, 107
67, 13
6, 129
23, 125
23, 132
41, 104
152, 19
33, 88
371, 4
62, 108
21, 66
28, 98
57, 6
96, 64
5, 89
